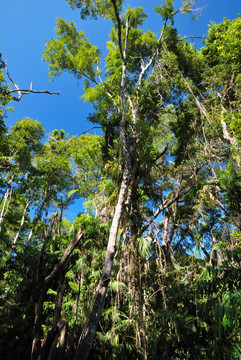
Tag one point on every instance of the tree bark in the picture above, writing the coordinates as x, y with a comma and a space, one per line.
21, 224
36, 344
50, 351
88, 333
62, 342
59, 327
7, 199
58, 305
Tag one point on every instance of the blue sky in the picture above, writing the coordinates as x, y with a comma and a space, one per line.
26, 25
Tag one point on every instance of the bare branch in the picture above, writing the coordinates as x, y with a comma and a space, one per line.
15, 85
190, 37
162, 207
22, 92
191, 9
79, 134
29, 91
152, 59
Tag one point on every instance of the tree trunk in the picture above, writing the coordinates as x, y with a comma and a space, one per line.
7, 199
36, 345
62, 342
88, 333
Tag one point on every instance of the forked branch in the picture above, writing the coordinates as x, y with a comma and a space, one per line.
22, 92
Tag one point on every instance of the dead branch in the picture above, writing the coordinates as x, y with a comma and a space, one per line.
22, 92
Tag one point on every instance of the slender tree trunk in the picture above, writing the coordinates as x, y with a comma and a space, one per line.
62, 342
7, 199
49, 348
88, 333
36, 345
52, 353
58, 305
21, 224
37, 217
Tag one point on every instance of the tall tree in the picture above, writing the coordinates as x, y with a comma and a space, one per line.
127, 105
161, 183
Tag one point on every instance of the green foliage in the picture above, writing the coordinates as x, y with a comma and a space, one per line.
184, 182
222, 49
95, 8
87, 158
71, 51
220, 306
165, 10
136, 15
223, 55
230, 182
186, 6
144, 248
25, 140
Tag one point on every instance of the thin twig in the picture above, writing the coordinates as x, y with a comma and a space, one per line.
75, 136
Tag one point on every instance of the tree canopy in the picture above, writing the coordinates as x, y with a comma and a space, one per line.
150, 269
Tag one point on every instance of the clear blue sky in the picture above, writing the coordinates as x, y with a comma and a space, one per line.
26, 25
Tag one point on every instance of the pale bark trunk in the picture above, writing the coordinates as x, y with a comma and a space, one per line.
88, 333
227, 136
21, 224
7, 199
165, 231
